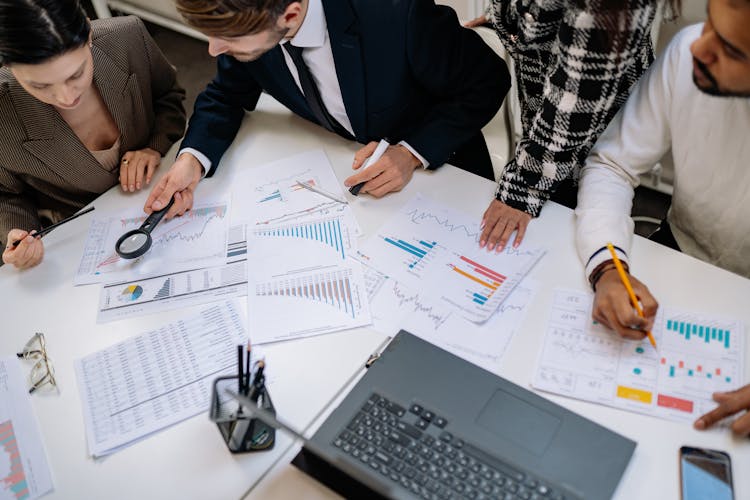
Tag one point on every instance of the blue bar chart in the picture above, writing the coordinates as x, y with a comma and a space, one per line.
705, 333
417, 250
328, 232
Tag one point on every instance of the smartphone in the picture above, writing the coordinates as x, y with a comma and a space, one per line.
705, 474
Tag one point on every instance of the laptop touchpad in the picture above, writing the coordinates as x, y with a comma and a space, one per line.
519, 421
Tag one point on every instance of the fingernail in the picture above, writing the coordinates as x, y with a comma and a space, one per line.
156, 205
490, 246
516, 244
499, 248
482, 243
138, 185
132, 188
700, 424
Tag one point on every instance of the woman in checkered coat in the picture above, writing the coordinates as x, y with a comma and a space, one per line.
575, 62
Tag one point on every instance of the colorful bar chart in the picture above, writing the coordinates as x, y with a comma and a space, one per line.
418, 250
681, 368
482, 275
15, 481
333, 288
707, 334
327, 232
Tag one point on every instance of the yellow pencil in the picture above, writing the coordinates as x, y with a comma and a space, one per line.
629, 288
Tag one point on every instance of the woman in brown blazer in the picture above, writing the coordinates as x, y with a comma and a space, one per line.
84, 105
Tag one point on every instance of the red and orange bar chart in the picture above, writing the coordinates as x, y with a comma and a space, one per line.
483, 275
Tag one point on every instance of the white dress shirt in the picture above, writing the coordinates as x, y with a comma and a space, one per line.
312, 35
710, 211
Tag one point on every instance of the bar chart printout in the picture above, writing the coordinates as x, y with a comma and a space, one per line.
120, 300
698, 355
307, 302
271, 194
24, 472
433, 248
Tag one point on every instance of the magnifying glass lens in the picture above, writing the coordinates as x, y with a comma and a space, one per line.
133, 243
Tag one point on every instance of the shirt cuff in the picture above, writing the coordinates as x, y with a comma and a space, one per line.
601, 255
425, 163
202, 159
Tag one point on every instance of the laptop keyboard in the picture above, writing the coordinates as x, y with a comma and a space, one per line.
409, 446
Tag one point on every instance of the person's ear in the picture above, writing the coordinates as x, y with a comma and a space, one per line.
292, 16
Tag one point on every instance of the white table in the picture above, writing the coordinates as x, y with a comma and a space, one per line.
190, 460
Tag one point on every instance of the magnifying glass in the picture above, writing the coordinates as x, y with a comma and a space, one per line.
136, 242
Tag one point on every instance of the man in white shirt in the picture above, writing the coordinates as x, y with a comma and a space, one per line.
696, 100
405, 70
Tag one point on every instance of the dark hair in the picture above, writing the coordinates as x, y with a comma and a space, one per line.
34, 31
230, 18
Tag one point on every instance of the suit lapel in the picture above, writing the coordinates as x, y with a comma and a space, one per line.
121, 95
343, 31
53, 143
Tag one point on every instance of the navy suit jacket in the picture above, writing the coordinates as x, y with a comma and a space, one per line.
406, 68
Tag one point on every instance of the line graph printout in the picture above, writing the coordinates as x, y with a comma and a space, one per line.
697, 355
429, 247
24, 470
194, 240
306, 301
157, 379
270, 194
394, 306
187, 288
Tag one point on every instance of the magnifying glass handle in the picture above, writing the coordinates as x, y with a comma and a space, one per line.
155, 217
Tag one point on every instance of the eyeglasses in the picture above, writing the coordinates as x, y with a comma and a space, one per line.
42, 372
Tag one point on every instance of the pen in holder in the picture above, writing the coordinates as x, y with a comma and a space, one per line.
240, 432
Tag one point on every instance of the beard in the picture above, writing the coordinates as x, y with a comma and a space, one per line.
712, 88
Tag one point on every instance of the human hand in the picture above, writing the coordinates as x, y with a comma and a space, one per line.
498, 223
27, 253
729, 403
390, 173
613, 309
479, 21
180, 181
137, 165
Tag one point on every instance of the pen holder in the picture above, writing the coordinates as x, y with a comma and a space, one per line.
240, 432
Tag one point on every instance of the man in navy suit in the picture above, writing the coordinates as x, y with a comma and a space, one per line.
363, 69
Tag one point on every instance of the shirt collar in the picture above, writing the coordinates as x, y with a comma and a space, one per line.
312, 32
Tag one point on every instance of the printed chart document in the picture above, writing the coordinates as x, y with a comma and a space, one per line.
194, 240
272, 196
301, 281
395, 306
697, 355
429, 247
129, 299
24, 471
158, 378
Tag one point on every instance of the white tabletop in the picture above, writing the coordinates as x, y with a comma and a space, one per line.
190, 460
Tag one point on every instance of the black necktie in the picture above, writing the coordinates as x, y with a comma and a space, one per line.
312, 95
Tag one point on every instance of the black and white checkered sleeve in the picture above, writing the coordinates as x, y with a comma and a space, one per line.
595, 59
